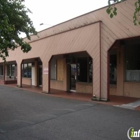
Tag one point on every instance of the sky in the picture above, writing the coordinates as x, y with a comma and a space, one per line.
52, 12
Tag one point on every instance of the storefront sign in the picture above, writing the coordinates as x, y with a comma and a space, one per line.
46, 71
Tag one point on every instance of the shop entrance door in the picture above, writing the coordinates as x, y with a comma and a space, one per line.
73, 77
40, 76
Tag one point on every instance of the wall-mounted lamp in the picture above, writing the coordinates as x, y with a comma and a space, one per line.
44, 24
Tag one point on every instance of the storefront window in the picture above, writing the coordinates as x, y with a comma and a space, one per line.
90, 70
113, 69
13, 69
132, 63
1, 69
26, 70
81, 69
53, 69
10, 70
60, 69
84, 69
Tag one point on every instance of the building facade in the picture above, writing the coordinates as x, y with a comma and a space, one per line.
91, 54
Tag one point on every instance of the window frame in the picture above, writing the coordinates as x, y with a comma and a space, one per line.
126, 63
10, 70
28, 70
55, 69
1, 70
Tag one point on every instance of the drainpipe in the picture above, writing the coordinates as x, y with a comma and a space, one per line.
100, 56
49, 74
108, 74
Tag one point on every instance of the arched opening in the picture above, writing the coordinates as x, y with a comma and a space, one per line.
8, 72
71, 72
31, 72
124, 68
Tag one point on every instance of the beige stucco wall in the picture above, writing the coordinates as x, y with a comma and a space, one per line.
60, 85
83, 34
122, 88
113, 29
81, 39
132, 89
113, 90
84, 87
1, 81
57, 84
26, 81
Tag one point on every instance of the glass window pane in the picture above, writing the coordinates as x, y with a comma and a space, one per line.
22, 70
13, 70
132, 63
29, 69
8, 70
113, 69
90, 70
53, 69
82, 69
1, 69
25, 70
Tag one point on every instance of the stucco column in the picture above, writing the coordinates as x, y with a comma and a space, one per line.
19, 74
65, 74
96, 62
45, 76
104, 75
96, 78
34, 73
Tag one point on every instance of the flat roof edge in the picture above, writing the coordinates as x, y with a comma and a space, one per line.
30, 41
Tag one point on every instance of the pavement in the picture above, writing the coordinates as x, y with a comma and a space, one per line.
131, 105
26, 115
118, 101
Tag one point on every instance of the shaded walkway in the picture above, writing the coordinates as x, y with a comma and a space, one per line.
114, 100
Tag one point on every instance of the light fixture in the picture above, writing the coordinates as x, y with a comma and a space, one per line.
44, 24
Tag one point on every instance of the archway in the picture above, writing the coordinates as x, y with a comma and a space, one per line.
71, 72
31, 74
124, 68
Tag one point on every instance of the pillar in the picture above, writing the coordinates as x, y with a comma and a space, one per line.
19, 73
45, 76
34, 73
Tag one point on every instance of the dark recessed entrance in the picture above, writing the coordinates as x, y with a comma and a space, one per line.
40, 75
73, 71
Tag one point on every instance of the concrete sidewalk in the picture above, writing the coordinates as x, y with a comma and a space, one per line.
119, 101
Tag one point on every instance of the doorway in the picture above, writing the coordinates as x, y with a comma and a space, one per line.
113, 69
40, 76
73, 77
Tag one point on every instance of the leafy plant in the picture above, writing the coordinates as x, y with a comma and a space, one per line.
14, 20
112, 10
